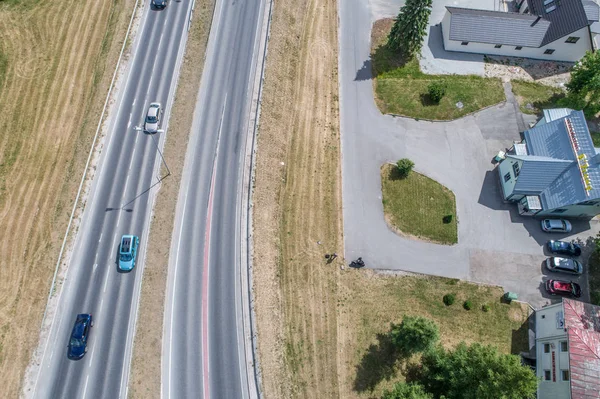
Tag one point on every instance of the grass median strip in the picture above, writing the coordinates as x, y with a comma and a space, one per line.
419, 206
401, 88
534, 97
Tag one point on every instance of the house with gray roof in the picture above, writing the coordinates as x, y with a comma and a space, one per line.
555, 169
557, 30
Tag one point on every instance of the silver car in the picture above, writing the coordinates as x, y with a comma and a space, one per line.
152, 118
564, 265
556, 226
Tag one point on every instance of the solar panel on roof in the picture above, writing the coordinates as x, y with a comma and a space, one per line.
546, 2
550, 9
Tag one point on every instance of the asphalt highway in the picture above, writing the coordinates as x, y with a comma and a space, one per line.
120, 202
203, 339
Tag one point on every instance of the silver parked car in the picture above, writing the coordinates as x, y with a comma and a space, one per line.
564, 265
152, 118
556, 226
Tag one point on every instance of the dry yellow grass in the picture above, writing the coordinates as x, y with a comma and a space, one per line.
298, 204
145, 373
57, 59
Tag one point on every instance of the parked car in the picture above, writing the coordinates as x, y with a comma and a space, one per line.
564, 265
128, 252
564, 288
563, 248
79, 336
152, 118
556, 226
160, 4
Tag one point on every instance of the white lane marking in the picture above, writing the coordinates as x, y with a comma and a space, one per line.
92, 356
119, 218
95, 266
106, 281
101, 305
86, 383
100, 239
175, 289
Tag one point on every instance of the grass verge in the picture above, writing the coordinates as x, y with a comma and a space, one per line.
401, 87
417, 205
370, 301
534, 97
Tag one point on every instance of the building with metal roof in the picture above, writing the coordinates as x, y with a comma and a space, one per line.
568, 350
557, 30
555, 170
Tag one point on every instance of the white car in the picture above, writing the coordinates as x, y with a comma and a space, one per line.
152, 118
556, 226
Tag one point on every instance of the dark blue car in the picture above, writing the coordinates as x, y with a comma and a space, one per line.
79, 336
563, 248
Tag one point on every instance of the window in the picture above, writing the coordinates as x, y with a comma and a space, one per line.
518, 48
564, 346
572, 39
546, 348
549, 51
498, 46
547, 375
560, 210
464, 43
564, 375
507, 177
516, 168
588, 203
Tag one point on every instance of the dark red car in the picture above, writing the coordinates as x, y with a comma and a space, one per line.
564, 288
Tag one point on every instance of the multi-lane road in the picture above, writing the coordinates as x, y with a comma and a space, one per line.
206, 340
204, 345
120, 203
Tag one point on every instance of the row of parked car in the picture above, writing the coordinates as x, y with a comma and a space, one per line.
77, 347
563, 263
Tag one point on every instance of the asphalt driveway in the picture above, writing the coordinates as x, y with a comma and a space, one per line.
496, 245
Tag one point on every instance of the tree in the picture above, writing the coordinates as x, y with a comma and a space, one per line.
404, 166
475, 372
403, 390
410, 27
584, 86
415, 334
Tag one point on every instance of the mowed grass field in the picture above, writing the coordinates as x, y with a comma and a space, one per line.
56, 62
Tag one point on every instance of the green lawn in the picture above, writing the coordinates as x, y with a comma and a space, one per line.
595, 138
417, 205
401, 88
538, 95
373, 301
594, 277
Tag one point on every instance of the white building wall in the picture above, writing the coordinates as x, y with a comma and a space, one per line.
563, 51
574, 211
506, 167
550, 358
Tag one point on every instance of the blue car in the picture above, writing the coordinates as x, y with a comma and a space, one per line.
128, 252
563, 248
79, 336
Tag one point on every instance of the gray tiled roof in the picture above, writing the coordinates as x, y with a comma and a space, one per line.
496, 27
592, 11
537, 173
567, 17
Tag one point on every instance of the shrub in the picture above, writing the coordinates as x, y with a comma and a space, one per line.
404, 166
415, 334
485, 307
468, 305
436, 91
447, 219
449, 299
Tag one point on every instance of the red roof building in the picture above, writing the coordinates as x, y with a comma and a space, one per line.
568, 350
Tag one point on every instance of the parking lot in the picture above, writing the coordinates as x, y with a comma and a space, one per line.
496, 245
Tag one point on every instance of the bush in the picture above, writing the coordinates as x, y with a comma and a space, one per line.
468, 305
436, 91
447, 219
485, 307
405, 166
415, 334
449, 299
